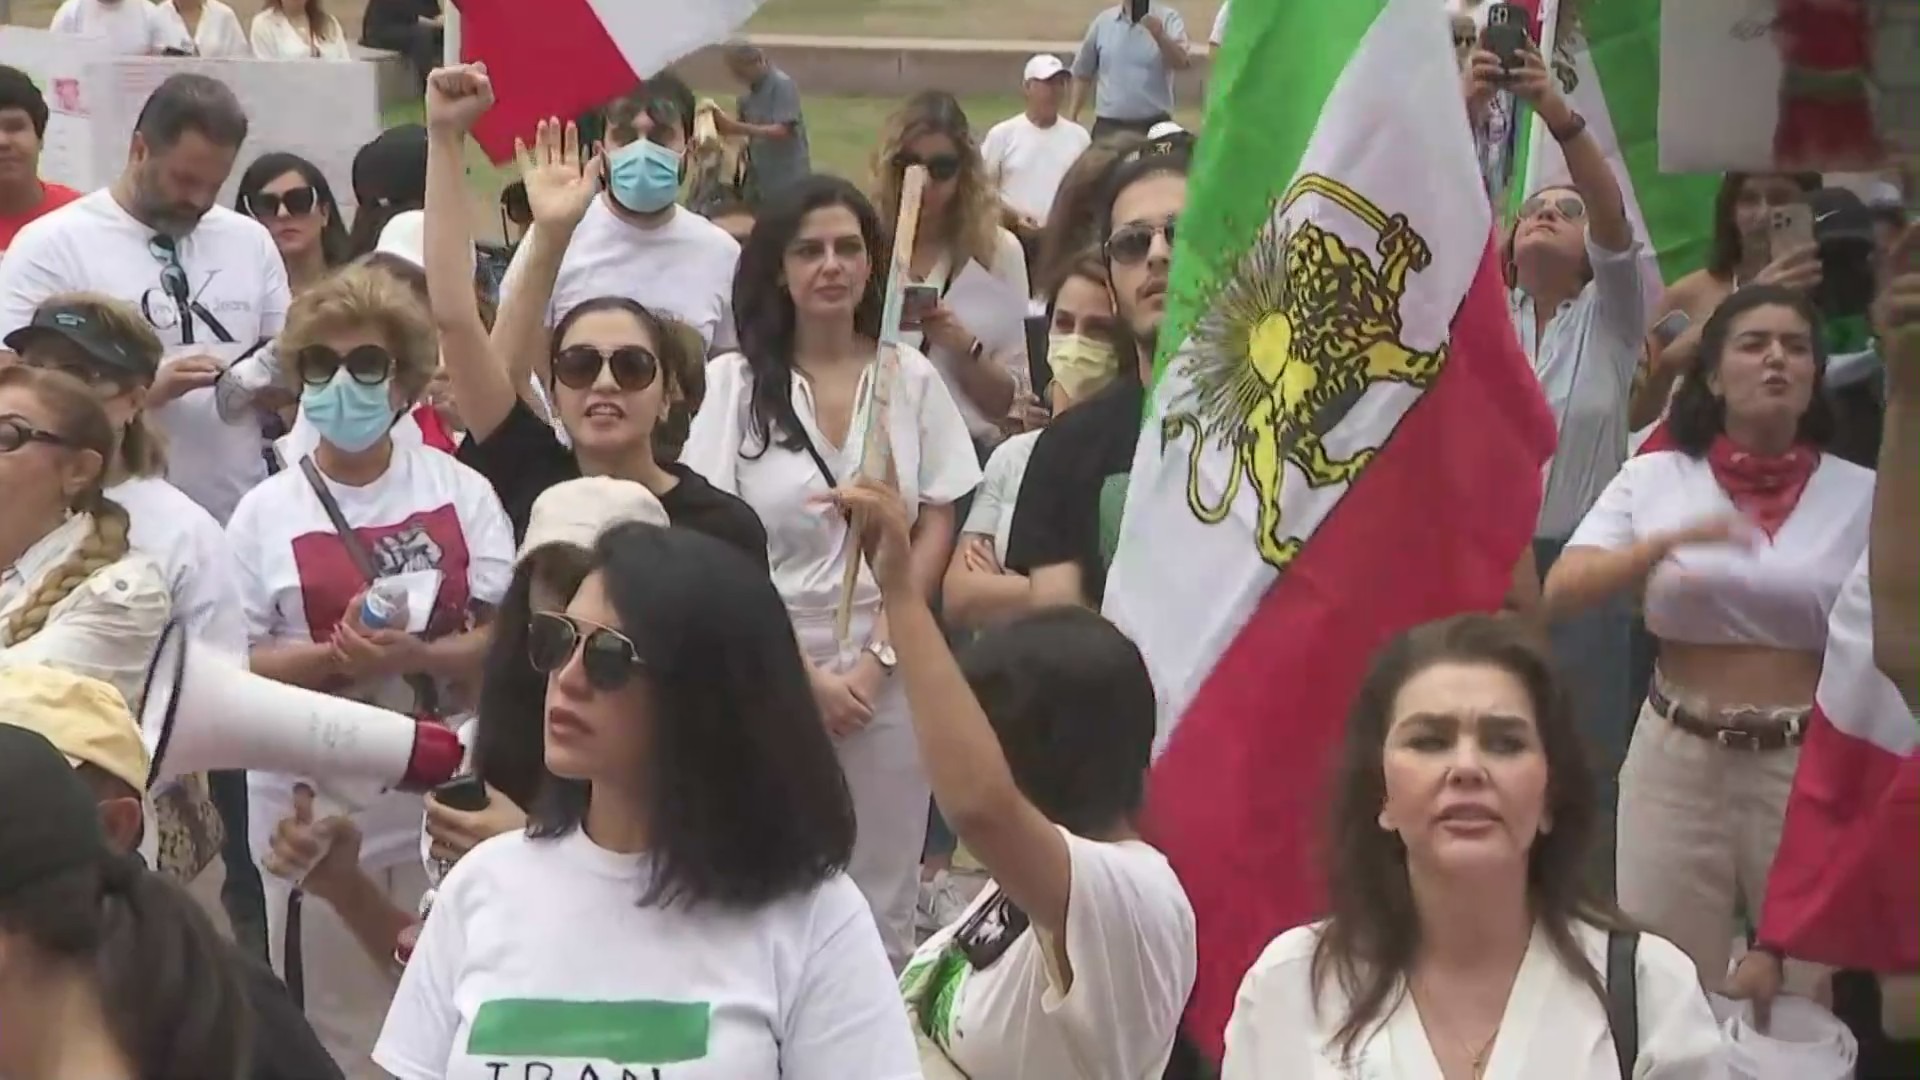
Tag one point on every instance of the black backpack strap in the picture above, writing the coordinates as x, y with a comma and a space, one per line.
1623, 998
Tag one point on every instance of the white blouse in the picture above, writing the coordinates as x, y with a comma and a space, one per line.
1554, 1025
105, 629
1778, 593
808, 544
219, 35
275, 37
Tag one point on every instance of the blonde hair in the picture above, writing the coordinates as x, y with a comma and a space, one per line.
973, 224
83, 425
357, 298
142, 451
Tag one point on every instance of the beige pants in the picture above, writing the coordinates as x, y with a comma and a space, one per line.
1698, 828
346, 995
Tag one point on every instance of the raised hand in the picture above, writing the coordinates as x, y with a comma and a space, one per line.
457, 97
560, 185
1896, 315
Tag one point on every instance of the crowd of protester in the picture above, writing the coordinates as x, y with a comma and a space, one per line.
618, 491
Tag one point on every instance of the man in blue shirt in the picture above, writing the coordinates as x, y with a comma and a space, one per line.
1128, 58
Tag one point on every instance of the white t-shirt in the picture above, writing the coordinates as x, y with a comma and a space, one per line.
219, 34
683, 268
1130, 943
808, 548
1778, 593
131, 27
538, 960
193, 553
428, 512
234, 279
1029, 161
1554, 1024
992, 510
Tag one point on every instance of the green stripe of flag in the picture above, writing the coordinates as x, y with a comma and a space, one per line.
623, 1032
1262, 108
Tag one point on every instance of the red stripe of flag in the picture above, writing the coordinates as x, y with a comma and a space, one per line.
546, 58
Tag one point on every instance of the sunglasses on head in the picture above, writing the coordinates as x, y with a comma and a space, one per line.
941, 167
578, 367
298, 202
86, 371
1567, 206
1131, 243
368, 365
607, 656
15, 433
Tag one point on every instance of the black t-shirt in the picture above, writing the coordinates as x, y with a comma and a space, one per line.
284, 1045
523, 457
1076, 487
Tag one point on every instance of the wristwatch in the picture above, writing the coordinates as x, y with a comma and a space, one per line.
884, 653
1569, 131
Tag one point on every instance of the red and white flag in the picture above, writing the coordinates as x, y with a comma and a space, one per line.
566, 57
1344, 440
1845, 885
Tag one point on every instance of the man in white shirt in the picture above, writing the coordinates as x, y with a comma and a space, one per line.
1028, 155
131, 27
208, 280
636, 241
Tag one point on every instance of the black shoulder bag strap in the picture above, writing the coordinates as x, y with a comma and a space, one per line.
1623, 998
426, 698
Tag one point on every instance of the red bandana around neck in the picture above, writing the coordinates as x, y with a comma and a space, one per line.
1765, 489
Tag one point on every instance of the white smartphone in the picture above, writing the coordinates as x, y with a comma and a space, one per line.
1671, 327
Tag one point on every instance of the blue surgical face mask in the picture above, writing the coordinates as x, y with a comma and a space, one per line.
644, 176
350, 415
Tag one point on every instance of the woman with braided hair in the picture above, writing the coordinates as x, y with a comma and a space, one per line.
73, 594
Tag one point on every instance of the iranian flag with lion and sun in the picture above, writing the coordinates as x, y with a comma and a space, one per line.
1343, 440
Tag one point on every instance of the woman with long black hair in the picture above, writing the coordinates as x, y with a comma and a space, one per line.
291, 197
778, 429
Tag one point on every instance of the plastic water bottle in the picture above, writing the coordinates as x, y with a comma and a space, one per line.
385, 606
234, 393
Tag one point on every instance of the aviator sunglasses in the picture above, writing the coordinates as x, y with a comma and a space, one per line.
941, 167
578, 367
1131, 243
298, 202
368, 365
608, 656
1566, 206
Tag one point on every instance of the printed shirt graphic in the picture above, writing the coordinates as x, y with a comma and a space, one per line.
538, 962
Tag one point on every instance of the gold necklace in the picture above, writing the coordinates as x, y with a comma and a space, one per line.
1477, 1060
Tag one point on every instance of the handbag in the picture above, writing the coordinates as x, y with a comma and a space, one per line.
1623, 998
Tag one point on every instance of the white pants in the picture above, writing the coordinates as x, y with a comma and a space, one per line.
346, 995
1698, 828
890, 793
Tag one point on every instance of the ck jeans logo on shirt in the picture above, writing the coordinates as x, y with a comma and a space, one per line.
588, 1040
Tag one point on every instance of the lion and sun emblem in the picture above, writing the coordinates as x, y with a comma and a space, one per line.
1304, 328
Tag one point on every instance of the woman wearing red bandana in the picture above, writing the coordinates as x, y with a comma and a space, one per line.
1740, 537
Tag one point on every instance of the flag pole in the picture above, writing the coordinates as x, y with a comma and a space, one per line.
450, 35
870, 414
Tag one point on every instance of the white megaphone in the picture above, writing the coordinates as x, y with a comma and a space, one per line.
201, 712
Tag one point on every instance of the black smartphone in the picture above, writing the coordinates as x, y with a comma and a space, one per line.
1137, 9
467, 794
1506, 34
916, 303
1039, 330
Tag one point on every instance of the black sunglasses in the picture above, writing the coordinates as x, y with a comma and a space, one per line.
173, 276
578, 367
369, 365
298, 202
16, 433
608, 656
1130, 244
1567, 206
941, 167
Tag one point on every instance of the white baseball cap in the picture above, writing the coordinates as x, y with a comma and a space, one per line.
1163, 129
405, 237
1043, 67
576, 512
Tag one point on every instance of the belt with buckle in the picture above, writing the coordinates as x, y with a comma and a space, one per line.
1750, 730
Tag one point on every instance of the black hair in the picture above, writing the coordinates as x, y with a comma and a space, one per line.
1071, 701
747, 801
18, 92
763, 309
1725, 247
665, 98
389, 179
730, 207
169, 984
189, 102
1170, 154
1698, 415
270, 167
682, 362
509, 749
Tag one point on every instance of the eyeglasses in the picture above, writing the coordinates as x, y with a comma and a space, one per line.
15, 433
1567, 206
298, 202
1131, 243
368, 365
941, 167
578, 367
607, 656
